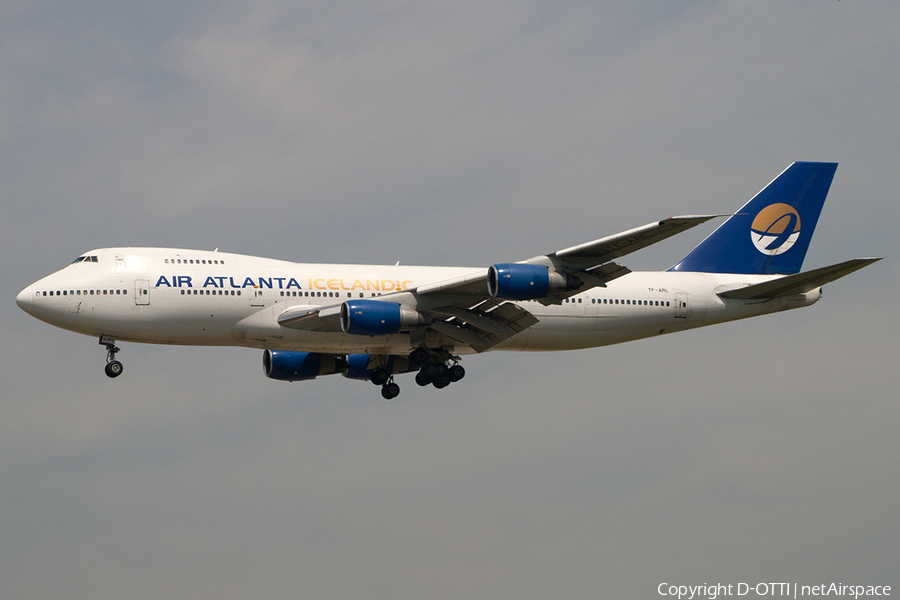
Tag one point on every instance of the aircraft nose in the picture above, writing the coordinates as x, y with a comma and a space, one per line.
24, 299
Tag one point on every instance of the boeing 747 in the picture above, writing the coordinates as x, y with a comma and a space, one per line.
375, 322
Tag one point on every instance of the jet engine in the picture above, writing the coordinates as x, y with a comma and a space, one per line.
517, 281
374, 317
297, 366
358, 366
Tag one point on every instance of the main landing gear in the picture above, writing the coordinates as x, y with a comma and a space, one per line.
439, 374
390, 390
113, 367
434, 369
383, 377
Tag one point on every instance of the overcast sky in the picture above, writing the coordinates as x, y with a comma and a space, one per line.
451, 133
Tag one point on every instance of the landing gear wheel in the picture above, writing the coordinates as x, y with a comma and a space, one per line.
456, 372
441, 382
380, 376
113, 369
390, 391
422, 379
418, 357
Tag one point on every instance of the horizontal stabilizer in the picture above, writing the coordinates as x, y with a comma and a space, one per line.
798, 283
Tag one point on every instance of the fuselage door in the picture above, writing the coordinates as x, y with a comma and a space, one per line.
682, 308
141, 292
259, 299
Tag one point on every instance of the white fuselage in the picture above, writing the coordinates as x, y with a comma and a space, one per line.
189, 297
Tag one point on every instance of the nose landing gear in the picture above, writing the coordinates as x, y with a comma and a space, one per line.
113, 367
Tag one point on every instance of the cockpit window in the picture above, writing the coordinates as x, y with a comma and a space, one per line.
84, 259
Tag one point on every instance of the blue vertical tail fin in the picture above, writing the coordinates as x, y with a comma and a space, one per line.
771, 233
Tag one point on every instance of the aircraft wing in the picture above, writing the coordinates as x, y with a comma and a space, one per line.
590, 261
592, 254
312, 318
461, 308
798, 283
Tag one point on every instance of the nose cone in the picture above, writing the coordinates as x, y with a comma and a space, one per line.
24, 299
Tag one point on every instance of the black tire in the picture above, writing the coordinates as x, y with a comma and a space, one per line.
380, 376
422, 379
418, 357
431, 371
113, 369
390, 391
441, 382
456, 372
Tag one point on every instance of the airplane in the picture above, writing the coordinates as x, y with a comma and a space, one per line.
372, 323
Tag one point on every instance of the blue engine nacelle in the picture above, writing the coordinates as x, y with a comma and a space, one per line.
361, 366
517, 281
375, 317
297, 366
